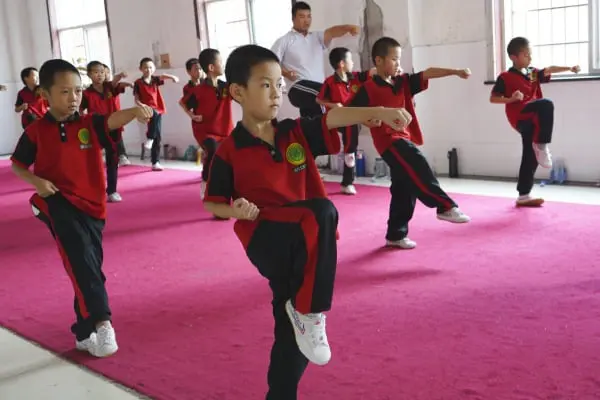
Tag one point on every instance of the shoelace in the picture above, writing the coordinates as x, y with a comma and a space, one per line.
317, 333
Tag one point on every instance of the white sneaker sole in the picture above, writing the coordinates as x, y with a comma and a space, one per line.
298, 328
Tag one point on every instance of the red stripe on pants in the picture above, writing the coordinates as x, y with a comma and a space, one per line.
310, 229
42, 206
417, 181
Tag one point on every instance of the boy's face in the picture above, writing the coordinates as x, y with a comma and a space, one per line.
64, 97
261, 98
390, 64
302, 21
523, 58
148, 69
32, 79
216, 69
348, 63
194, 72
107, 74
97, 74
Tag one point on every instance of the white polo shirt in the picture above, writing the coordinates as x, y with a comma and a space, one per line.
302, 54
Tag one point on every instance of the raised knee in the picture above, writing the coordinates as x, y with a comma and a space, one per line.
324, 209
547, 104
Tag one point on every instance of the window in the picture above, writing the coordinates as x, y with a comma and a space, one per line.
561, 32
81, 32
228, 24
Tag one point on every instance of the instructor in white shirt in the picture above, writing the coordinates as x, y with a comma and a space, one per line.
302, 58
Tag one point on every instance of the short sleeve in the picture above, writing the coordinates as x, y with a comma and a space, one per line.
219, 188
84, 102
190, 100
499, 88
325, 92
321, 38
544, 75
321, 140
118, 89
26, 149
136, 88
362, 76
99, 125
417, 83
19, 101
158, 81
360, 98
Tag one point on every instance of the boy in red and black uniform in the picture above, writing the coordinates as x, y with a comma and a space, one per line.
337, 91
528, 112
121, 151
30, 102
412, 177
285, 222
102, 98
68, 175
192, 66
147, 91
210, 105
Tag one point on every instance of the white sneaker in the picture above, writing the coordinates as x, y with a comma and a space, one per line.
528, 201
106, 342
349, 190
405, 243
310, 335
350, 160
148, 144
115, 197
86, 344
157, 167
124, 161
543, 156
454, 215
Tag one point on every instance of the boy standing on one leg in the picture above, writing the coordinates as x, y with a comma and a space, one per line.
528, 112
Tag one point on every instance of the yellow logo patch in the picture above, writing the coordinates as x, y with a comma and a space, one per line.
84, 136
295, 154
354, 88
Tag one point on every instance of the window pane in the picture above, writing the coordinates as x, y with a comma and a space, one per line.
572, 54
98, 44
543, 56
72, 46
270, 19
572, 24
558, 25
544, 4
584, 32
70, 13
545, 22
558, 3
558, 55
583, 61
532, 26
571, 2
227, 25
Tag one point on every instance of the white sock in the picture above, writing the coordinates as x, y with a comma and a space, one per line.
524, 197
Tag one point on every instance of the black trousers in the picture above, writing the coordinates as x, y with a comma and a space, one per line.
350, 142
535, 128
412, 179
303, 96
295, 248
121, 149
112, 166
209, 146
79, 240
155, 133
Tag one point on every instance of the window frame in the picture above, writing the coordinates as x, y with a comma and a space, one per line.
249, 20
497, 13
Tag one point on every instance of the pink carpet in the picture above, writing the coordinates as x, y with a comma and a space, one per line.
507, 307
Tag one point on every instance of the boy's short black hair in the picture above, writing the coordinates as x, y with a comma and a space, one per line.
382, 46
190, 63
144, 61
299, 5
25, 72
243, 59
516, 45
53, 67
207, 57
93, 64
337, 55
106, 66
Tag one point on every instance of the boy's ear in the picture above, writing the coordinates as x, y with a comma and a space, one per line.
236, 91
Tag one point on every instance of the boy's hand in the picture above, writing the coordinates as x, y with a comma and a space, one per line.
373, 71
575, 69
196, 118
354, 30
24, 106
517, 96
175, 79
123, 74
396, 118
243, 209
127, 84
45, 188
463, 73
143, 113
336, 105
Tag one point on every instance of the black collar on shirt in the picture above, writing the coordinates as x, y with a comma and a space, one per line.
516, 71
396, 84
61, 124
349, 77
242, 138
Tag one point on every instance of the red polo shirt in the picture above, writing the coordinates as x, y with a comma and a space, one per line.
399, 94
527, 82
271, 176
149, 93
69, 155
336, 90
37, 105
